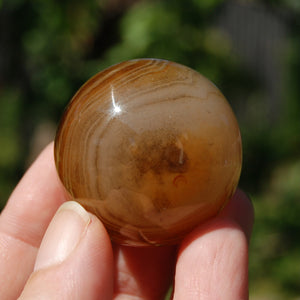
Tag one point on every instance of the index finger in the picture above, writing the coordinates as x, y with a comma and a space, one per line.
24, 221
213, 259
34, 201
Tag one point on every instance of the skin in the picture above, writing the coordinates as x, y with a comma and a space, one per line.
35, 263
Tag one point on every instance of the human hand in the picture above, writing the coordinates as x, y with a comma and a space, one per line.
74, 258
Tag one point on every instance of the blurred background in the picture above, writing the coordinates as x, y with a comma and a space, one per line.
249, 49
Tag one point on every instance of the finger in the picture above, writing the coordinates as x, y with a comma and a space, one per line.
143, 273
75, 259
24, 220
240, 209
34, 201
213, 259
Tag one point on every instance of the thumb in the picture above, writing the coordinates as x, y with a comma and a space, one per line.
75, 259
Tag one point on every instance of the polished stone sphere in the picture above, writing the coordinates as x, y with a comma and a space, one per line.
152, 148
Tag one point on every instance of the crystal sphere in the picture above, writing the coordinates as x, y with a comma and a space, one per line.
152, 148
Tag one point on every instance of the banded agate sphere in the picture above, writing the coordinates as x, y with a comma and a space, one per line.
152, 148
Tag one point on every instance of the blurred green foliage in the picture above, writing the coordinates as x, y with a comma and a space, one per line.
275, 250
49, 48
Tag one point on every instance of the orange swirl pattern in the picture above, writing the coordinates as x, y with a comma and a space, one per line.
152, 148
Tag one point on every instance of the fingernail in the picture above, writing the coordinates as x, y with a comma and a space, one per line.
63, 234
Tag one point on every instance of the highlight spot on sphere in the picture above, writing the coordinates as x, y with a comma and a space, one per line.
152, 148
116, 107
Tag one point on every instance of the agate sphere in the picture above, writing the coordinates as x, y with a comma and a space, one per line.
152, 148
